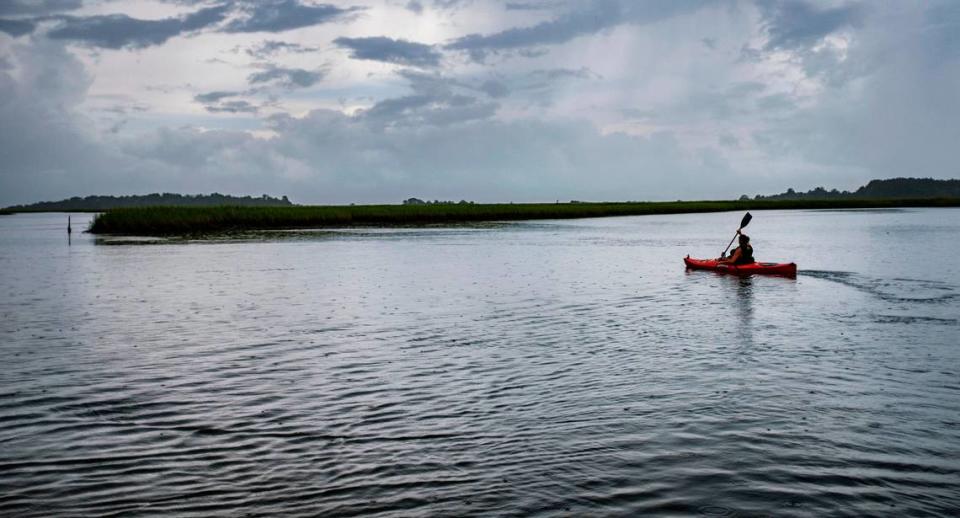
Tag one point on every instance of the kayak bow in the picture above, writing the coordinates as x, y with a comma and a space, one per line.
784, 269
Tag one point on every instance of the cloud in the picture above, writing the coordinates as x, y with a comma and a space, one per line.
793, 24
596, 16
414, 6
116, 31
830, 103
269, 77
37, 7
39, 107
270, 48
388, 50
418, 111
564, 73
185, 149
486, 160
494, 88
16, 27
541, 86
237, 106
733, 104
450, 4
212, 97
559, 30
899, 118
435, 101
221, 102
941, 24
728, 140
529, 6
284, 15
273, 75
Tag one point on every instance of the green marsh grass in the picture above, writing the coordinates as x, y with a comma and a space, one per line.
169, 221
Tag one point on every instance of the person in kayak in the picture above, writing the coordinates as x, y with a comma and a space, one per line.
743, 254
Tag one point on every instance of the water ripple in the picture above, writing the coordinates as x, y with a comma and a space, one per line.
541, 370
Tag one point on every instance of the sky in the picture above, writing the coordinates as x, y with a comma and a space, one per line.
376, 101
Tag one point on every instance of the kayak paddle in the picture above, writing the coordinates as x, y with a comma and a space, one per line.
743, 223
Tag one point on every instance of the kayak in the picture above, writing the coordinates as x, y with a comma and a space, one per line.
785, 269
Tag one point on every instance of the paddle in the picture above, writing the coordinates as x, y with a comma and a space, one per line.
743, 223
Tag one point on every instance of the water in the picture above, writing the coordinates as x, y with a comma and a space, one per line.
532, 369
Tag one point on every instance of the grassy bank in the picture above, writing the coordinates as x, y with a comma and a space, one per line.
166, 221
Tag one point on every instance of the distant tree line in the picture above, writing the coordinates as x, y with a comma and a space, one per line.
99, 203
893, 188
418, 201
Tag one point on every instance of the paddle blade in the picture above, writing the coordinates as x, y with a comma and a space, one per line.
746, 220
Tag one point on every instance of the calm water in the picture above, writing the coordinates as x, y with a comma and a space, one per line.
532, 369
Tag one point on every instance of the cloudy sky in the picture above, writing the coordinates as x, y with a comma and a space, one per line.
514, 100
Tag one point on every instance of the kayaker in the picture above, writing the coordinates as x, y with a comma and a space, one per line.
743, 254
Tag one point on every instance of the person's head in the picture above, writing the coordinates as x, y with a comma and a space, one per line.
744, 239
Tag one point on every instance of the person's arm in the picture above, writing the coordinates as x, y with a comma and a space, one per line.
733, 258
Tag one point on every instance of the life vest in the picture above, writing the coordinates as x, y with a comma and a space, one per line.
746, 255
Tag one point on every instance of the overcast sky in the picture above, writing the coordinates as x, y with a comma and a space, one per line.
517, 100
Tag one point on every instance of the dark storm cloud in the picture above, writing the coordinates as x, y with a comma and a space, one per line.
37, 7
388, 50
794, 24
284, 15
116, 31
595, 17
16, 27
272, 75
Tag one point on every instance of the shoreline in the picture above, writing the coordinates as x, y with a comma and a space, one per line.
181, 221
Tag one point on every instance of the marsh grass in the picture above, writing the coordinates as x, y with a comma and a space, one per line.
171, 221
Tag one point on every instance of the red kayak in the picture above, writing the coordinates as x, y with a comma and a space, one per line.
785, 269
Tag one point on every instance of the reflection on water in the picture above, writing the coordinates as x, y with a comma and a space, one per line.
545, 369
743, 298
